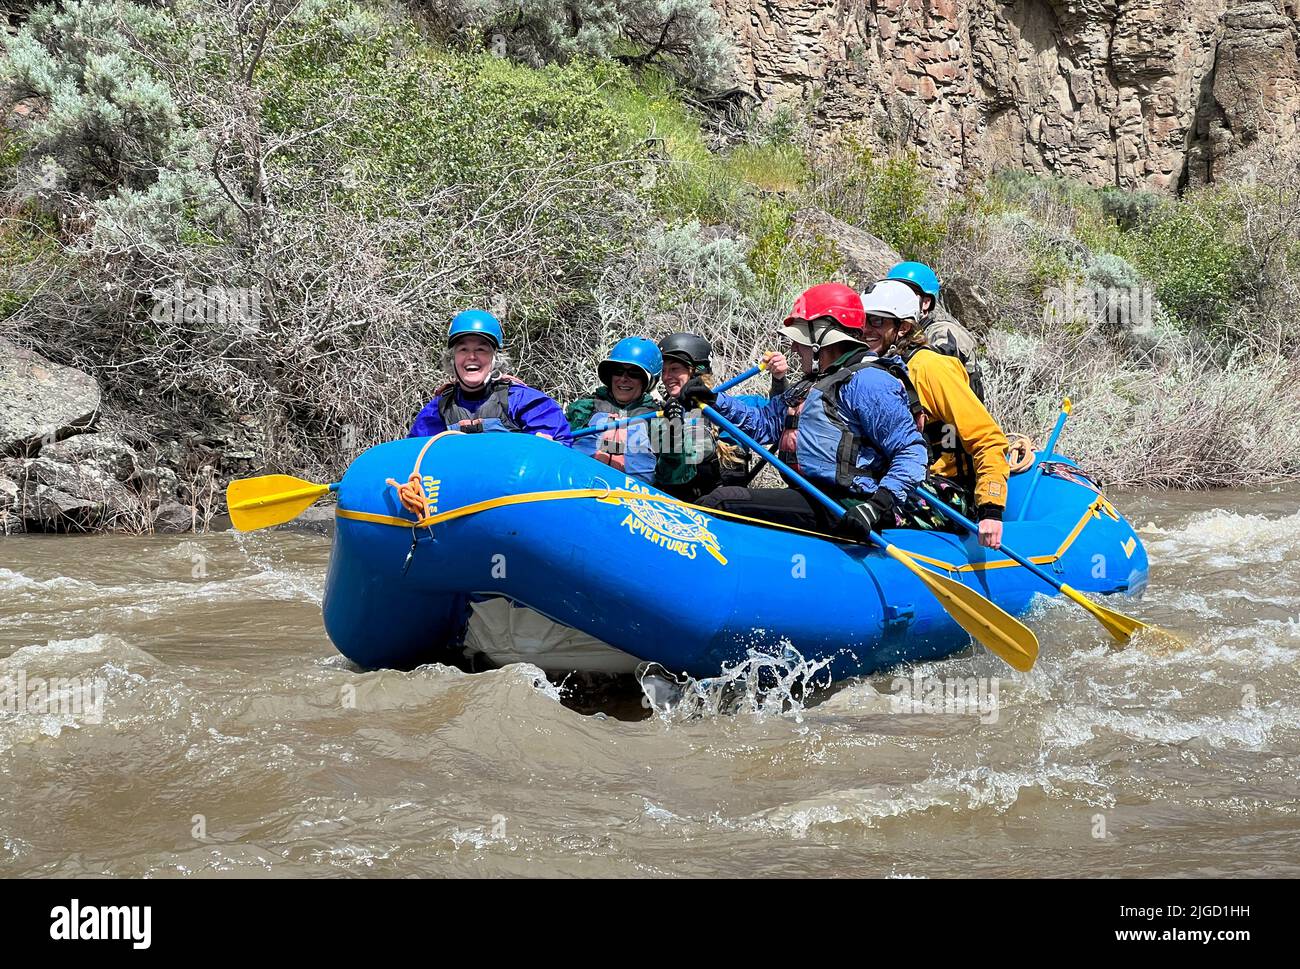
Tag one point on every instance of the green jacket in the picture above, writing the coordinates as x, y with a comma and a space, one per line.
581, 410
672, 467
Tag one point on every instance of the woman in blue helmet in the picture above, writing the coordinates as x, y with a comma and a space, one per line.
480, 397
627, 376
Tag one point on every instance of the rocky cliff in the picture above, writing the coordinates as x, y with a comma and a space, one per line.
1154, 94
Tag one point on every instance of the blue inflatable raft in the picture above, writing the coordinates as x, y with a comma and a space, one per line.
524, 518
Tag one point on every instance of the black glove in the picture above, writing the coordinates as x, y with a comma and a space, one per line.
673, 409
697, 393
864, 518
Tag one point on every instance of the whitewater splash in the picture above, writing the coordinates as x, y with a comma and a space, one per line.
763, 683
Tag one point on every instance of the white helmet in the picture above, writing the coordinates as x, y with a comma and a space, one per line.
893, 298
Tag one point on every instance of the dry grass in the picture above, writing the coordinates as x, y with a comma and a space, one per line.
1187, 418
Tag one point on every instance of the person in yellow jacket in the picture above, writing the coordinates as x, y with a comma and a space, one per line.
968, 448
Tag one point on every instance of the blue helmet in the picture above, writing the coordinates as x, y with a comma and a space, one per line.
476, 321
638, 352
920, 276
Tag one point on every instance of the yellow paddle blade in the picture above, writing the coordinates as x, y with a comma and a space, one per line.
272, 499
1000, 632
1121, 627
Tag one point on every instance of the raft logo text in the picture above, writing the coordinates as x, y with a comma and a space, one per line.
671, 526
73, 696
946, 695
132, 923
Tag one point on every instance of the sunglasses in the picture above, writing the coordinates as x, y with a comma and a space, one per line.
880, 322
625, 371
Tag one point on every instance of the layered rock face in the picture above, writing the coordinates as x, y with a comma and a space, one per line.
1141, 94
59, 473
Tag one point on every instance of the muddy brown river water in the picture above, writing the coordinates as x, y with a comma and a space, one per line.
225, 735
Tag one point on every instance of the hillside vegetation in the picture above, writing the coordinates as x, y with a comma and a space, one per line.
252, 222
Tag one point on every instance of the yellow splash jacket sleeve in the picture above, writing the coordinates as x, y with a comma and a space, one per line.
944, 388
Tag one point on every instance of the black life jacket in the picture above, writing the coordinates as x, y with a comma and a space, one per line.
492, 415
948, 347
827, 387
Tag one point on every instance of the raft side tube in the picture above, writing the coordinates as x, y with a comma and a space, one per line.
678, 586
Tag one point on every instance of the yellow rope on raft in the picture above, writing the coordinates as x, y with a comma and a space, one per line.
1098, 507
600, 494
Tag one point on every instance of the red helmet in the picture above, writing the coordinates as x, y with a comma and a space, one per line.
841, 303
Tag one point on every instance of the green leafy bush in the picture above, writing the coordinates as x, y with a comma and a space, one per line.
891, 197
683, 33
1191, 251
781, 264
1090, 215
28, 249
109, 153
109, 122
681, 177
1129, 209
491, 156
397, 119
771, 166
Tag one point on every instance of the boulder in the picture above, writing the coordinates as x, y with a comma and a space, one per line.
172, 516
316, 520
41, 402
968, 300
866, 257
105, 451
57, 497
156, 481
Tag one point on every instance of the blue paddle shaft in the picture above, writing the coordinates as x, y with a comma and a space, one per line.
614, 425
970, 526
770, 458
1037, 471
725, 385
1056, 432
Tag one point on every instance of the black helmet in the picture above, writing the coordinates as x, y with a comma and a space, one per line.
687, 348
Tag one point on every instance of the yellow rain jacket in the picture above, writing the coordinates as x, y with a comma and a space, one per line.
955, 419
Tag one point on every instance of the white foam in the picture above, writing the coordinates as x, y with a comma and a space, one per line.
763, 683
974, 789
11, 581
1250, 729
152, 597
1244, 538
42, 652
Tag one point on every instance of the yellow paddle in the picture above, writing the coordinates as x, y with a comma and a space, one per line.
1000, 632
1120, 626
272, 499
